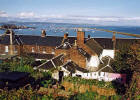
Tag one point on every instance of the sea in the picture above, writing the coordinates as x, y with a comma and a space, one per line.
58, 29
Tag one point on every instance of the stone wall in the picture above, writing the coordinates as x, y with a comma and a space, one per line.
82, 88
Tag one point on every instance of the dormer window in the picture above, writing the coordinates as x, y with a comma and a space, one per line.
33, 49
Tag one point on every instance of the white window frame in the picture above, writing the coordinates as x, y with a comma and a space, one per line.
44, 50
6, 49
33, 49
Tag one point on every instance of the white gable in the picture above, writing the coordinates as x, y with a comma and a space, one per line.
107, 52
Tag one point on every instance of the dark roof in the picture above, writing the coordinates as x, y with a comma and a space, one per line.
94, 46
47, 65
38, 40
12, 76
72, 67
32, 40
36, 63
55, 62
107, 43
35, 40
41, 56
58, 61
6, 40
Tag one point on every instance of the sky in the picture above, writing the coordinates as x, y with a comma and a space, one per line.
113, 12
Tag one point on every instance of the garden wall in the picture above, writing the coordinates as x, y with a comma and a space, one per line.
84, 87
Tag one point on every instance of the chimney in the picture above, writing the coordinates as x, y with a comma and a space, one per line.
7, 31
80, 36
65, 35
88, 36
43, 33
75, 43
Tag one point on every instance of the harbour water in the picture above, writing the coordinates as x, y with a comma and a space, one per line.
58, 29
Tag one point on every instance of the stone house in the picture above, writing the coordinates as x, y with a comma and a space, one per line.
84, 51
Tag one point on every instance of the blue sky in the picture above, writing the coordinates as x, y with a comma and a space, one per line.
84, 11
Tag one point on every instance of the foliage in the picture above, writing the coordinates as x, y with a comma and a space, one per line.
127, 57
126, 61
121, 58
46, 83
4, 66
25, 68
89, 82
26, 60
23, 94
93, 96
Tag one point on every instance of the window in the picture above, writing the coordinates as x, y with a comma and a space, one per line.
44, 50
53, 52
33, 49
15, 49
6, 49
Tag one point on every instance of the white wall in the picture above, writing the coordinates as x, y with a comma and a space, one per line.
55, 75
93, 63
107, 77
66, 73
107, 52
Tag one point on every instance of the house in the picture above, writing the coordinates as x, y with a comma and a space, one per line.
87, 53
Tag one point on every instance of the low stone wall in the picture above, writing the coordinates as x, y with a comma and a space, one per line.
82, 88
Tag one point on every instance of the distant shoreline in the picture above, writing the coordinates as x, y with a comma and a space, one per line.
12, 26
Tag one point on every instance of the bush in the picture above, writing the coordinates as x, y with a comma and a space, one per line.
89, 82
25, 68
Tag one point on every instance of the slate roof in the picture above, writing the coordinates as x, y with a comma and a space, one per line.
47, 65
106, 43
41, 56
35, 40
36, 63
6, 40
58, 61
72, 67
94, 46
38, 40
12, 76
53, 63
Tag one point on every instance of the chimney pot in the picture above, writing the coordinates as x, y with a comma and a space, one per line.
88, 36
75, 43
43, 33
65, 35
80, 29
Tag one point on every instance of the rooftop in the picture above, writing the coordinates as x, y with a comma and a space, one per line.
72, 67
